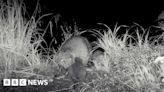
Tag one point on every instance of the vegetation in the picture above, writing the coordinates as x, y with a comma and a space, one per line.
132, 62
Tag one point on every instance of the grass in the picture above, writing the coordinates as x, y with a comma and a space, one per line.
133, 65
20, 40
131, 62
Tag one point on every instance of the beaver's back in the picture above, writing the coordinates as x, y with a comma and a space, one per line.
77, 46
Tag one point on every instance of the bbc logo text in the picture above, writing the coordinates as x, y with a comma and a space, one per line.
23, 82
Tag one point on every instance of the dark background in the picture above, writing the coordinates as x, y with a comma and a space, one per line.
87, 14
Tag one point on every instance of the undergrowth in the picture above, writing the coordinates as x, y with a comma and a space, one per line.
128, 62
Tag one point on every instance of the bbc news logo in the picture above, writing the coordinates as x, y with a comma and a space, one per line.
23, 82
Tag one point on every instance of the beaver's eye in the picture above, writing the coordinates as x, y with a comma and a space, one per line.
90, 64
